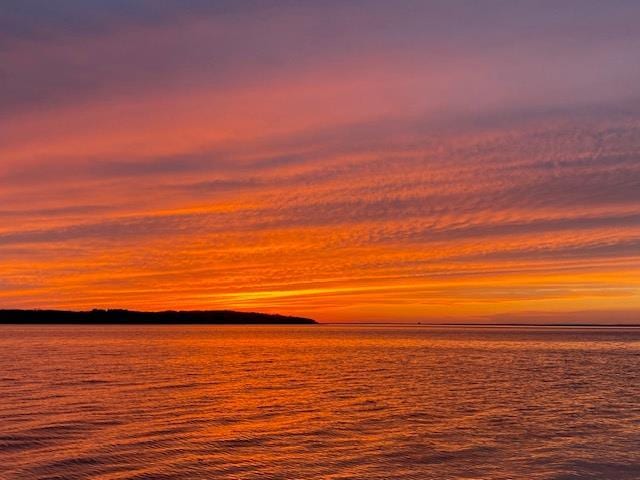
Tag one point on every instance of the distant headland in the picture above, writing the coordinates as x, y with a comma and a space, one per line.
169, 317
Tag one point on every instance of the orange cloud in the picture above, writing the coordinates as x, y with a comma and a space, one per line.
303, 167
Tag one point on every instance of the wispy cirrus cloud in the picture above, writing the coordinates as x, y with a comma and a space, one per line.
415, 160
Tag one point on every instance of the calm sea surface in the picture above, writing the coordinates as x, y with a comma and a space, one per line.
318, 402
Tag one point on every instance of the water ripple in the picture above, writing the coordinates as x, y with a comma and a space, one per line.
318, 402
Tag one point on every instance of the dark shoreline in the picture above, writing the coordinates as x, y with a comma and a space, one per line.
130, 317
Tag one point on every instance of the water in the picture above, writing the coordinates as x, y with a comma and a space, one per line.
318, 402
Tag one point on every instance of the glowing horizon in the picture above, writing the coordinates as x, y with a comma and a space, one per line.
342, 161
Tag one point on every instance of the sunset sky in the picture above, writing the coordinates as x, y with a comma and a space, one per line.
345, 160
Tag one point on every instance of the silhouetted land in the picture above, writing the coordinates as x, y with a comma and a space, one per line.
120, 317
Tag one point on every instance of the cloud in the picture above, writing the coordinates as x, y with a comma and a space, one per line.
425, 155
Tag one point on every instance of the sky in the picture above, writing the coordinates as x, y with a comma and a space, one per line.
344, 160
